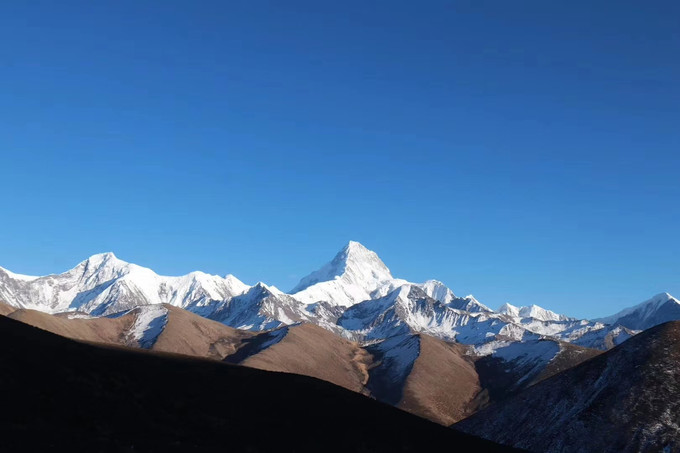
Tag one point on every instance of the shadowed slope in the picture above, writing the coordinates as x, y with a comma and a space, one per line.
83, 397
623, 400
517, 366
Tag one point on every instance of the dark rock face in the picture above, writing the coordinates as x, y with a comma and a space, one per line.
624, 400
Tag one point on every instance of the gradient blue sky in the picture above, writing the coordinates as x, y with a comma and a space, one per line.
525, 152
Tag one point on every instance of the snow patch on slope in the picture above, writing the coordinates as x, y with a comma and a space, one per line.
395, 356
149, 324
526, 359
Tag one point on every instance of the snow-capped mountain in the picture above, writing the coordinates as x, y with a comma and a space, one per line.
354, 295
103, 284
262, 307
351, 277
532, 311
659, 309
409, 308
439, 291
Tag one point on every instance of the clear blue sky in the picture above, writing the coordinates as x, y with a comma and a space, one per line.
525, 152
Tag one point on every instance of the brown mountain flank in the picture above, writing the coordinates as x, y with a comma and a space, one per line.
190, 334
5, 308
96, 330
442, 384
184, 333
313, 351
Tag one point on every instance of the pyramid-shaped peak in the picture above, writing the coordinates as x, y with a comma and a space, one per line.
356, 250
354, 263
438, 290
659, 309
664, 297
509, 309
102, 267
101, 257
355, 246
107, 259
356, 259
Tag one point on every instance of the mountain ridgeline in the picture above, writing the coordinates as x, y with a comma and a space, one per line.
416, 346
354, 295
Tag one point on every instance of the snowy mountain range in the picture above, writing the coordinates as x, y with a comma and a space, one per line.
354, 295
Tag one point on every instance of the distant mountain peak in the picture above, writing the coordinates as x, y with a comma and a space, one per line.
509, 309
658, 309
103, 258
531, 311
103, 265
438, 290
350, 277
355, 262
354, 245
665, 297
355, 254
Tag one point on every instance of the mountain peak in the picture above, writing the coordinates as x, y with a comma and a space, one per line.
509, 309
355, 245
105, 260
531, 311
354, 262
350, 277
355, 253
101, 257
649, 313
665, 297
438, 290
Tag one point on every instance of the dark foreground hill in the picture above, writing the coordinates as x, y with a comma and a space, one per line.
59, 394
421, 374
625, 400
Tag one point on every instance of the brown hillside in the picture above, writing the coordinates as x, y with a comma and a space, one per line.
5, 308
313, 351
190, 334
442, 384
98, 330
